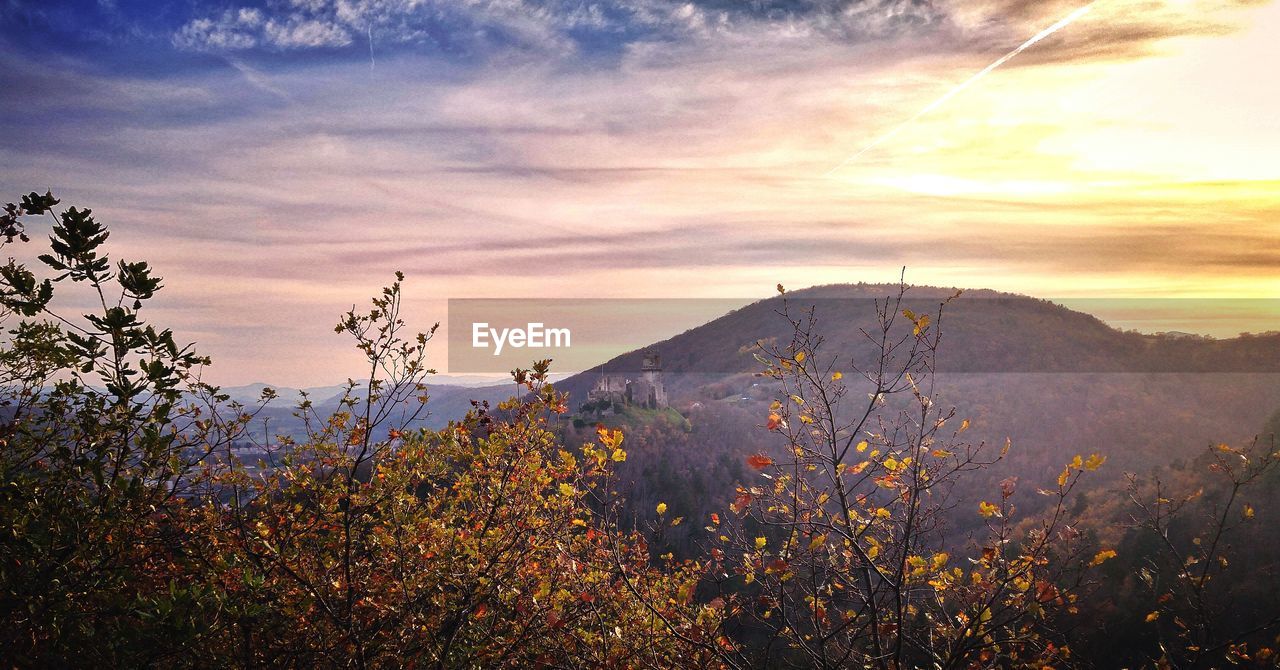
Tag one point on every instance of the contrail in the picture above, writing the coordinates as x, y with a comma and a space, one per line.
371, 63
1062, 23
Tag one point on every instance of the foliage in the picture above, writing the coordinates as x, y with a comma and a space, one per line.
134, 535
133, 531
106, 422
1195, 579
841, 545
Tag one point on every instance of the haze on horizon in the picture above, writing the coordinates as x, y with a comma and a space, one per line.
277, 160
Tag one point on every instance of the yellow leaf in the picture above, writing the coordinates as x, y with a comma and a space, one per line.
1094, 462
964, 425
837, 376
1247, 512
799, 356
760, 542
987, 510
619, 455
662, 508
566, 490
1153, 616
862, 446
1102, 557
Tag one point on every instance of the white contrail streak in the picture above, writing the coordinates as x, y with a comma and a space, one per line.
1062, 23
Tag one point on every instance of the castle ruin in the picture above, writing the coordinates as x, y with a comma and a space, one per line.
645, 391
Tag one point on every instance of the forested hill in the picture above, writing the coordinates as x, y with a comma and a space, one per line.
983, 331
1053, 381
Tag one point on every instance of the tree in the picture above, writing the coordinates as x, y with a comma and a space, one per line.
838, 555
472, 546
1210, 605
134, 535
106, 424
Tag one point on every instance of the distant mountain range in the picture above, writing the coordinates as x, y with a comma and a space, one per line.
247, 393
1053, 379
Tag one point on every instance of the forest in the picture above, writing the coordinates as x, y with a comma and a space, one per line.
858, 510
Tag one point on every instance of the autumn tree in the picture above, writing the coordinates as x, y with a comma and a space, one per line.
1212, 603
105, 426
838, 554
473, 546
133, 534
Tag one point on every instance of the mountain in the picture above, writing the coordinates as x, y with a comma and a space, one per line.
1055, 382
983, 331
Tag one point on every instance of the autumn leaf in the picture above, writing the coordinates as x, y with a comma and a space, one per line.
1045, 592
1007, 487
759, 461
1102, 557
837, 376
774, 422
760, 543
987, 510
1094, 462
662, 508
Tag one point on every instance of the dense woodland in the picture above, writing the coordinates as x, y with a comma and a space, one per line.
906, 479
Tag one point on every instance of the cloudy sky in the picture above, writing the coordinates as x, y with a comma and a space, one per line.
278, 159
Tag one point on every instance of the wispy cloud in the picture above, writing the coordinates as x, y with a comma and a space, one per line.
652, 148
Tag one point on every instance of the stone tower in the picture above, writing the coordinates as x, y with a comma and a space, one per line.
651, 372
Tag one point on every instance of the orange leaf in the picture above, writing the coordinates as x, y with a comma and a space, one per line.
759, 461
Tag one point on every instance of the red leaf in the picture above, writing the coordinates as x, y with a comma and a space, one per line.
759, 461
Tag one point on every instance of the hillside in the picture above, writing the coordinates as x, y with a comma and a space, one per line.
1056, 382
984, 331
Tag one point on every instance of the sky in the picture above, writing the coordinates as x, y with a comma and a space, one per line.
278, 160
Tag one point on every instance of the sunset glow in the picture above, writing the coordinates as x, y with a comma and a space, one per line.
276, 166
